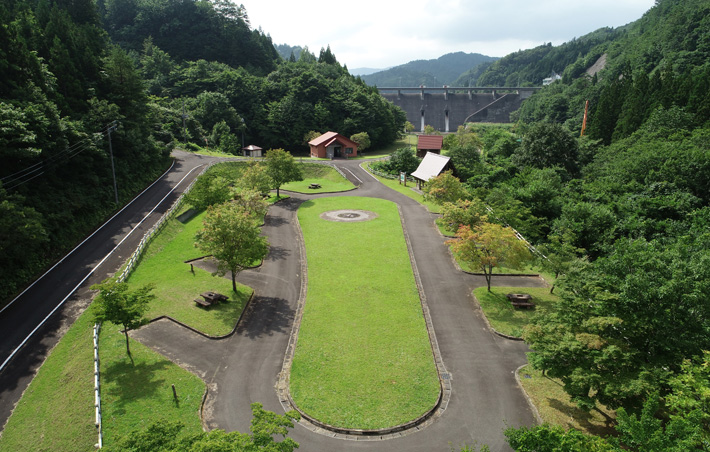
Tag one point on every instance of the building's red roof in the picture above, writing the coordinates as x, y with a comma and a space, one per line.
430, 142
330, 137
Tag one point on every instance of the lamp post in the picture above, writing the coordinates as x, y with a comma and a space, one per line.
243, 126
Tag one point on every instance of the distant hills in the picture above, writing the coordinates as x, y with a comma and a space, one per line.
444, 70
365, 70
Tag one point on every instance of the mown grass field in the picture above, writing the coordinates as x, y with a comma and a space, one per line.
363, 358
317, 173
176, 286
56, 412
501, 314
138, 392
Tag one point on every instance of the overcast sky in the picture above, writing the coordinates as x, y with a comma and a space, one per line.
382, 33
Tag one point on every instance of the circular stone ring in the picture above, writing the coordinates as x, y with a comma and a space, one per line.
348, 215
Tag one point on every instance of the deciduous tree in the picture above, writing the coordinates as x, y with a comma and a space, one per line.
488, 246
627, 322
117, 304
256, 177
548, 145
230, 234
362, 139
444, 188
282, 168
463, 212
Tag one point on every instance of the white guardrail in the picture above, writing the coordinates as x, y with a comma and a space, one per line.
130, 265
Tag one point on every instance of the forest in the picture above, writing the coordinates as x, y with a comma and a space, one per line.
74, 72
620, 210
622, 213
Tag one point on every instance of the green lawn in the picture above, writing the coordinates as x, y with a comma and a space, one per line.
503, 317
176, 286
407, 191
137, 393
56, 412
555, 407
363, 358
326, 176
374, 153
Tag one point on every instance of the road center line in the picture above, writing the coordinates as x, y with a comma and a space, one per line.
14, 352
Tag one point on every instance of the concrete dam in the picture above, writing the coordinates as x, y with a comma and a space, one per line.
447, 108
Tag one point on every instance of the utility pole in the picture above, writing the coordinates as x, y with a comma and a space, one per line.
184, 116
111, 128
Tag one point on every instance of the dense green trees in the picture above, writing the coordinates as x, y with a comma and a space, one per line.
61, 86
69, 70
266, 427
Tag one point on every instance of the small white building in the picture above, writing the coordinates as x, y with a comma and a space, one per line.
431, 166
252, 151
551, 79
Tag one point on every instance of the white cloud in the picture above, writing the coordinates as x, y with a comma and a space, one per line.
371, 33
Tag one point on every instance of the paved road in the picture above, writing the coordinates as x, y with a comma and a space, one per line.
243, 368
68, 282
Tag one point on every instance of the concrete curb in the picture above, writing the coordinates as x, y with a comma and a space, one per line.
533, 408
490, 327
316, 426
195, 330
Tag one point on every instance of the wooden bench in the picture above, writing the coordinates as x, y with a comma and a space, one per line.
314, 186
202, 302
213, 297
521, 300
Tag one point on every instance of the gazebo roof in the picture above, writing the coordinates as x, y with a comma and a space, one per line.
251, 147
430, 142
432, 165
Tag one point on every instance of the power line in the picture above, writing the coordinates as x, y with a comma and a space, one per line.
22, 176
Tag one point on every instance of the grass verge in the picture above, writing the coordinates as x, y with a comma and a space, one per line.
407, 191
555, 406
56, 412
502, 316
176, 286
314, 173
363, 358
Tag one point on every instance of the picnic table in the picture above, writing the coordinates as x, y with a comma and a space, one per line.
314, 186
521, 300
210, 297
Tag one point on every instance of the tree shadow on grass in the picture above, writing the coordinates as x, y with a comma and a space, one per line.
585, 419
126, 383
227, 314
267, 316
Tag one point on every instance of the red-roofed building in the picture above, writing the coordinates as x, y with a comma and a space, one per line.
332, 145
429, 143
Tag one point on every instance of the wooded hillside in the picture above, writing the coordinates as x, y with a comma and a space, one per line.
69, 71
